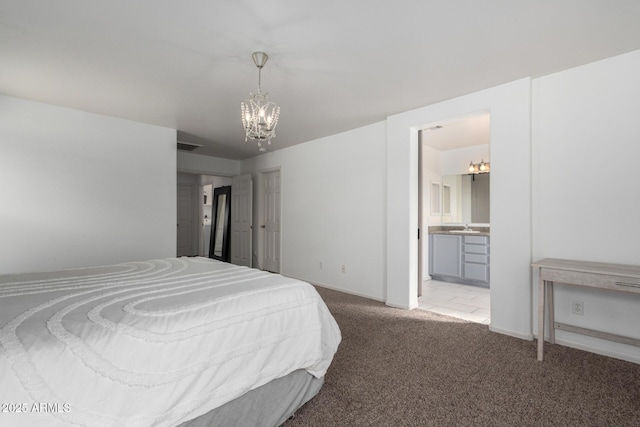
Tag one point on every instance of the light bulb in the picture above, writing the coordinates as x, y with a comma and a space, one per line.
471, 168
483, 167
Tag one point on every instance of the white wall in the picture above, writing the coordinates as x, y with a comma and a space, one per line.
206, 165
431, 174
333, 209
586, 153
456, 162
509, 106
81, 189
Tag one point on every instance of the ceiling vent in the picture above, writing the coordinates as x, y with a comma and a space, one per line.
187, 146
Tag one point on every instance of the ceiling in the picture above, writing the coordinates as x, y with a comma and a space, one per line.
334, 65
458, 133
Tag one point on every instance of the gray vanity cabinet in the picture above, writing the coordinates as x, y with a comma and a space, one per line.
459, 259
475, 258
446, 255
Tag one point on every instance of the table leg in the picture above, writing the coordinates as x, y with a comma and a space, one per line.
550, 310
541, 292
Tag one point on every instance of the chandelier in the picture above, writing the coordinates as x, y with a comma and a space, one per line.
259, 115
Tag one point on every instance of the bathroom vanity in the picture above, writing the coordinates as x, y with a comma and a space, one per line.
458, 253
460, 257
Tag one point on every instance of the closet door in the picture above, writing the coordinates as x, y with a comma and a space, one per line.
272, 221
241, 219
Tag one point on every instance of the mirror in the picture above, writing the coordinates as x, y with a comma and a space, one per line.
465, 199
220, 231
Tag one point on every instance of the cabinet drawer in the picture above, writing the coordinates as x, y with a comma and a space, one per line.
478, 240
604, 281
476, 272
476, 258
476, 249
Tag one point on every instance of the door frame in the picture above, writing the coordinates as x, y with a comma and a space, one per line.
422, 225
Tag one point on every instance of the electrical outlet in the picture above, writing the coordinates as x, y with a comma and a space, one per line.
321, 265
344, 269
577, 307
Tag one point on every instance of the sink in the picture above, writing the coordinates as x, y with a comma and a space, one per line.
464, 231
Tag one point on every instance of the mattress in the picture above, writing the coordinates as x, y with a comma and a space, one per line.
152, 343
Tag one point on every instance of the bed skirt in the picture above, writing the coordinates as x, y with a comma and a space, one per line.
269, 405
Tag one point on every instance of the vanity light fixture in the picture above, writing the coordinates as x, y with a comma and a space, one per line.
481, 167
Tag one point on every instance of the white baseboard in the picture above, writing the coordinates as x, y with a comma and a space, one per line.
609, 352
404, 307
597, 350
335, 288
528, 337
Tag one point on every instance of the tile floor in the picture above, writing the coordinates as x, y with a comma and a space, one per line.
455, 300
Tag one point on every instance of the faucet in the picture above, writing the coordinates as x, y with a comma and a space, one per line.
466, 227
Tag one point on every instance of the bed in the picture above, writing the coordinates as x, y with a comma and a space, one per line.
178, 341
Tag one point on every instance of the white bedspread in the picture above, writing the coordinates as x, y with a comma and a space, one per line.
152, 343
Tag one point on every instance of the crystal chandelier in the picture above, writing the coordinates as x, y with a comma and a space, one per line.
259, 115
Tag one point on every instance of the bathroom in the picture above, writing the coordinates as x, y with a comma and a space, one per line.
455, 173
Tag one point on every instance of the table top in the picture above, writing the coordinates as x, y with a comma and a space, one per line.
622, 270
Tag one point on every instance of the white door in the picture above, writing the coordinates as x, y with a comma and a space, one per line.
185, 221
272, 221
241, 219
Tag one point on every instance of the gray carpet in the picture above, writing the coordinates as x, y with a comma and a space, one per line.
413, 368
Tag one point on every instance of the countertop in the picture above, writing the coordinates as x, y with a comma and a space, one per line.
482, 231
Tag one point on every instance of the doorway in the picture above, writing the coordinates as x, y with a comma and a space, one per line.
266, 240
194, 212
185, 221
445, 151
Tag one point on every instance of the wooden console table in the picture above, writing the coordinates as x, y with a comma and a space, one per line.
616, 277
